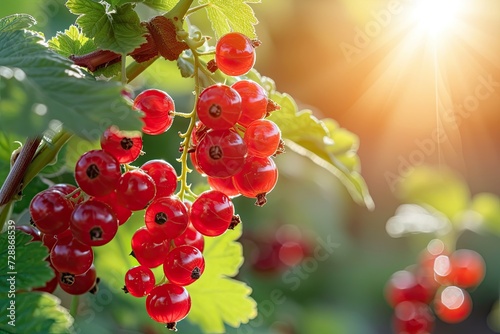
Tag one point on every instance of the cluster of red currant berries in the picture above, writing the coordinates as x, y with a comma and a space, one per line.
232, 144
440, 279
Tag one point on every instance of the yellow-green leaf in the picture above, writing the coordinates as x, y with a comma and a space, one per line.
71, 42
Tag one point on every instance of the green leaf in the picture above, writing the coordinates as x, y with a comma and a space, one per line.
118, 30
440, 188
35, 313
161, 5
217, 298
231, 15
487, 205
322, 141
24, 258
39, 89
16, 22
71, 42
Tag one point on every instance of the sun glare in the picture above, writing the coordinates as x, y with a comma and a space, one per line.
436, 17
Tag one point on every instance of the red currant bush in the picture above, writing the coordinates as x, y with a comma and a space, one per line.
211, 213
184, 265
97, 173
234, 54
158, 108
219, 107
168, 304
139, 281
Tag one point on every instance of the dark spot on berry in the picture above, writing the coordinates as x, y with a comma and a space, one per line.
215, 110
93, 171
212, 66
261, 199
235, 221
196, 273
132, 254
171, 326
126, 143
125, 289
215, 152
67, 278
161, 218
32, 223
96, 233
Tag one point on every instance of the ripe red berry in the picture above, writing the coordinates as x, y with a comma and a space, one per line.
124, 146
413, 318
149, 250
49, 240
190, 237
184, 265
122, 213
219, 107
234, 54
50, 211
262, 138
163, 175
225, 185
158, 108
452, 304
254, 101
68, 255
78, 284
67, 189
168, 304
257, 178
135, 190
167, 216
467, 268
93, 223
211, 213
97, 173
221, 153
139, 281
404, 286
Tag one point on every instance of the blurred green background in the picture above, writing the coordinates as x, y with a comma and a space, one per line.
390, 103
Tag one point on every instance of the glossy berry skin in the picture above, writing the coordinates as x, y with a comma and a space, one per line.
122, 213
139, 281
149, 250
67, 189
262, 138
254, 101
33, 232
93, 223
168, 304
97, 173
452, 304
405, 286
467, 268
68, 255
234, 54
257, 178
190, 237
78, 284
158, 108
225, 185
167, 216
184, 265
163, 175
211, 213
135, 190
221, 153
50, 211
49, 240
219, 107
413, 318
124, 146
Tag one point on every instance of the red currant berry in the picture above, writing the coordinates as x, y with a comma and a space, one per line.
194, 163
254, 101
67, 189
168, 304
97, 173
33, 232
149, 250
198, 132
190, 237
68, 255
467, 268
139, 281
225, 185
404, 286
50, 211
211, 213
167, 216
49, 240
257, 178
234, 54
413, 318
219, 107
184, 265
163, 175
93, 223
221, 153
124, 146
452, 304
291, 253
262, 138
158, 108
78, 284
122, 213
135, 190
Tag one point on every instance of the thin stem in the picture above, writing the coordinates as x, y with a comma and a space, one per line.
178, 13
183, 114
124, 69
135, 68
194, 9
75, 301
